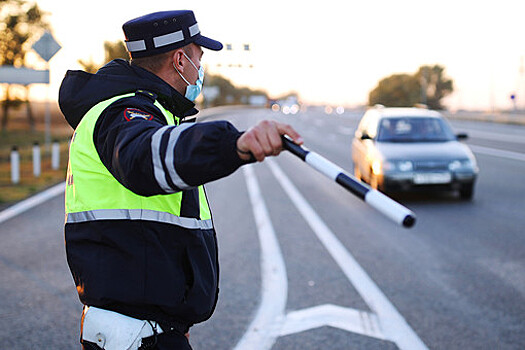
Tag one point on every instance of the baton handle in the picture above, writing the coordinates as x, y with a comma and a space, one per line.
374, 198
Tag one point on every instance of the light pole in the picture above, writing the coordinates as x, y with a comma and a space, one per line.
47, 47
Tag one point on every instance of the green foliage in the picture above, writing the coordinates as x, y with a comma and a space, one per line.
398, 90
427, 86
21, 23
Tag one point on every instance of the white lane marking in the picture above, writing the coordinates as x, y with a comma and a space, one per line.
510, 272
273, 272
355, 321
498, 153
496, 136
394, 326
270, 321
32, 202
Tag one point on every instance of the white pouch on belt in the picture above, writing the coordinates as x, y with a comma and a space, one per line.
113, 331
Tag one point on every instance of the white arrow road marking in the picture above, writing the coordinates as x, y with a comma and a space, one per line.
350, 320
270, 321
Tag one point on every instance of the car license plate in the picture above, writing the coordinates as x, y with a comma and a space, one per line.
432, 178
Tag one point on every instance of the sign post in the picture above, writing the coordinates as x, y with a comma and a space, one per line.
47, 47
513, 99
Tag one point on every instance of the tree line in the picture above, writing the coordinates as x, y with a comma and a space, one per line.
428, 86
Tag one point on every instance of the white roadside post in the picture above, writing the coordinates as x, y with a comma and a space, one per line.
55, 155
15, 165
36, 160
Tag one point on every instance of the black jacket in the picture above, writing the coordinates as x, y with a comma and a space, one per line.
147, 270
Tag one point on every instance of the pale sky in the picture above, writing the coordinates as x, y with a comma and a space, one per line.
328, 51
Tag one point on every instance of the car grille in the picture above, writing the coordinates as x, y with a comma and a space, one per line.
431, 165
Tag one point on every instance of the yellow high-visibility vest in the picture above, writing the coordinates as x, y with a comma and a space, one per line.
92, 193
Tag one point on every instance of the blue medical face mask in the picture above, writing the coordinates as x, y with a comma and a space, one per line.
192, 91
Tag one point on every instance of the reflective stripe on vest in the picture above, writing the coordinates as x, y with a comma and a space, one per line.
92, 193
138, 214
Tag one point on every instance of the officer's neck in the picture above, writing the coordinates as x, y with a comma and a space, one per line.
170, 76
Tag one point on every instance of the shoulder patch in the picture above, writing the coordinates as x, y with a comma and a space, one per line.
133, 113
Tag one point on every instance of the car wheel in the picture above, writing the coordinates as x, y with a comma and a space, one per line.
467, 191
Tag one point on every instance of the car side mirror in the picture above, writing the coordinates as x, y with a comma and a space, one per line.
461, 136
365, 136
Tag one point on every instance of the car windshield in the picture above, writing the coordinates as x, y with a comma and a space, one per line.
414, 129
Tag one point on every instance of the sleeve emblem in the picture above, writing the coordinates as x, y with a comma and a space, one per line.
133, 113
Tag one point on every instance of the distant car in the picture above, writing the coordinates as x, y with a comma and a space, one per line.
405, 149
290, 105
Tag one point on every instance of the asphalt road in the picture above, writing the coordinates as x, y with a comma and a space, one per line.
313, 267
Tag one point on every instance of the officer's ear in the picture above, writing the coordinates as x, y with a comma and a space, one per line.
177, 59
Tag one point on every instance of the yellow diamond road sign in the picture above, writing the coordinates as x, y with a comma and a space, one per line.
46, 46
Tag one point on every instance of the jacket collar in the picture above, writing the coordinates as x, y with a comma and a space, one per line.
170, 98
80, 91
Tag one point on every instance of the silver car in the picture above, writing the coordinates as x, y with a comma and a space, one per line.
404, 149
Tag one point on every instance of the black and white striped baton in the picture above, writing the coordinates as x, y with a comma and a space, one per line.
374, 198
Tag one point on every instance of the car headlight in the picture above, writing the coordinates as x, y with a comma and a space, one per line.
405, 166
377, 167
392, 165
465, 164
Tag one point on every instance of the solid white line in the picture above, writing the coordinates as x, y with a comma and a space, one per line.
263, 330
496, 136
498, 152
32, 202
393, 324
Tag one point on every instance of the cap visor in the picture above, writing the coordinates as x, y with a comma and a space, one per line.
208, 43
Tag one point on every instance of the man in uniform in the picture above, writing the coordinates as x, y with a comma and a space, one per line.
139, 237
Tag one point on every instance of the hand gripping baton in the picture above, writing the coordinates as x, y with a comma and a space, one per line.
376, 199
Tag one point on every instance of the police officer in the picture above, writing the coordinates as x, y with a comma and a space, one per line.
140, 241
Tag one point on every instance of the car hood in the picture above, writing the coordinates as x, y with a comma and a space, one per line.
424, 150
